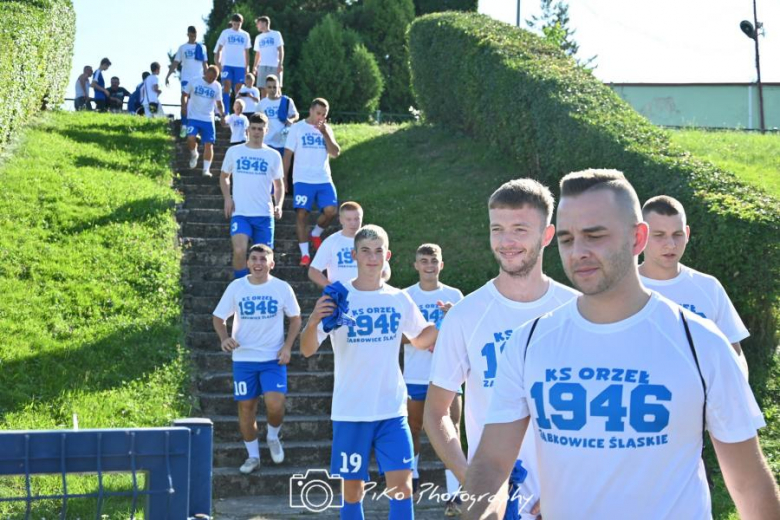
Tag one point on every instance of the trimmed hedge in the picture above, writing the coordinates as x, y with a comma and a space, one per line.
37, 37
508, 87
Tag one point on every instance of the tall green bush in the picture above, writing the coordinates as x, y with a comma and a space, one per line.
37, 41
336, 66
510, 88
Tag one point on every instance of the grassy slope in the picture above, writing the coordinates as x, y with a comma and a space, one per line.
753, 157
426, 184
89, 272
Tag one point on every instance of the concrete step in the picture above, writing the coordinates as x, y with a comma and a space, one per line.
207, 304
314, 453
204, 252
220, 229
308, 403
218, 361
217, 216
296, 427
217, 202
222, 382
204, 273
275, 480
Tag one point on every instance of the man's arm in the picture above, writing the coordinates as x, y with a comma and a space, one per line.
257, 62
218, 57
330, 141
741, 359
227, 343
426, 339
224, 186
309, 342
287, 162
292, 332
440, 429
280, 67
488, 473
748, 479
317, 276
95, 85
278, 197
246, 60
170, 71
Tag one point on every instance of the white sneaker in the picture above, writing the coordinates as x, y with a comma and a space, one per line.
207, 173
194, 159
277, 452
183, 132
249, 465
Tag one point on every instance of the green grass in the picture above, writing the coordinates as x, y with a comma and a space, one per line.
90, 319
753, 157
426, 184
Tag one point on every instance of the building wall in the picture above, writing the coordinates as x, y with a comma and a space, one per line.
727, 105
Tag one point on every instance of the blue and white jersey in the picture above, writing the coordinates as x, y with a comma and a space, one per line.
335, 257
616, 410
203, 98
702, 294
253, 171
190, 67
239, 124
97, 76
270, 107
417, 363
267, 44
233, 45
368, 384
311, 163
258, 316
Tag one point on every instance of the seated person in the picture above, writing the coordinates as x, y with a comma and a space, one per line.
116, 95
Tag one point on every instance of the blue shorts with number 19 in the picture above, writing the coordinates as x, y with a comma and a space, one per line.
305, 195
391, 440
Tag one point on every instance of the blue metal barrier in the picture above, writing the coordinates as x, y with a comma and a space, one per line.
173, 491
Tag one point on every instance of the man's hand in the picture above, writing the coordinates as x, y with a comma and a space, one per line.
278, 212
324, 307
444, 307
230, 207
229, 345
167, 81
284, 355
323, 127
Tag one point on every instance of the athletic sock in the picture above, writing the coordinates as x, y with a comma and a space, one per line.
452, 483
253, 448
240, 273
206, 165
317, 231
350, 511
415, 473
226, 102
273, 432
304, 248
401, 509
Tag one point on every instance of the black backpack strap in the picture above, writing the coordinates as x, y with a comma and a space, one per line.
701, 377
528, 341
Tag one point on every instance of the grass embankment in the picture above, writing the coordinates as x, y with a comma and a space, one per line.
753, 157
426, 184
90, 318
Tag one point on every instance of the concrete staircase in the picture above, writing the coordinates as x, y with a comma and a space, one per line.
206, 271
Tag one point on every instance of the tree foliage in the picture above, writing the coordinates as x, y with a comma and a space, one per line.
554, 24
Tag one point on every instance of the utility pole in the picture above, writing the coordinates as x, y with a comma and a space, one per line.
518, 14
758, 69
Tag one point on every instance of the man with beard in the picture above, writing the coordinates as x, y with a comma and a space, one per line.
621, 383
474, 332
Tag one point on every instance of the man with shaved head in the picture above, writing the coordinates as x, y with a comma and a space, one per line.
621, 385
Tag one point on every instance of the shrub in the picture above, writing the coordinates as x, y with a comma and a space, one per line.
336, 66
434, 6
510, 88
37, 38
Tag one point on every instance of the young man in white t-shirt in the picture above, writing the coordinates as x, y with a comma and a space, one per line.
250, 95
232, 54
475, 331
152, 91
334, 256
662, 272
203, 95
312, 143
258, 303
369, 395
430, 295
255, 169
269, 51
193, 60
238, 123
272, 106
619, 386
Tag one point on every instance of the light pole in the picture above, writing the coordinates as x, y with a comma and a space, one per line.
751, 31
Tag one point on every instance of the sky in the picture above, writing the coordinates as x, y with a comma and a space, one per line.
664, 41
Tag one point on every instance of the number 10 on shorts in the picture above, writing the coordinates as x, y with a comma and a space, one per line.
353, 460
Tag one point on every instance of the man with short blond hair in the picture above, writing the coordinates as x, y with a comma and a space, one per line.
622, 385
663, 272
269, 51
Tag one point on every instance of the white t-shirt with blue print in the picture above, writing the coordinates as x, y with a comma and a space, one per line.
253, 171
203, 97
233, 45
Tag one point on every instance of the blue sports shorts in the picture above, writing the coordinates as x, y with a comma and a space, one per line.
259, 229
233, 74
306, 195
391, 440
254, 378
205, 128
